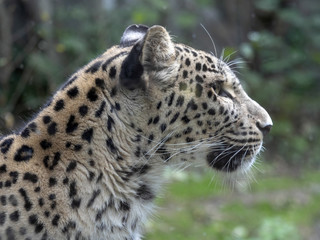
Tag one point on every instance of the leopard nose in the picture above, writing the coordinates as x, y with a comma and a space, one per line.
264, 128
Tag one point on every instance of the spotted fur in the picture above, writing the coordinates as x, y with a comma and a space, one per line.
90, 163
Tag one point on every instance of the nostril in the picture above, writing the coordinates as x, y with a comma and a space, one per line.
265, 129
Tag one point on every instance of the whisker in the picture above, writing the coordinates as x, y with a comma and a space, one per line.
230, 159
221, 58
226, 59
214, 46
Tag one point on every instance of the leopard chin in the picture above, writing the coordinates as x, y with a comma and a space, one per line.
232, 159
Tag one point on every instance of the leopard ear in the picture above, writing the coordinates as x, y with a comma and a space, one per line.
151, 57
132, 34
158, 50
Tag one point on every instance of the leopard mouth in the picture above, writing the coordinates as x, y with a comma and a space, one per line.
230, 159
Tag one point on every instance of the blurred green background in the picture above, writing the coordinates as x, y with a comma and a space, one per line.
43, 42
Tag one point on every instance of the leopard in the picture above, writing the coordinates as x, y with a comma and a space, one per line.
90, 163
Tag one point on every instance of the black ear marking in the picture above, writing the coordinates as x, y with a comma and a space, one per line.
132, 69
132, 34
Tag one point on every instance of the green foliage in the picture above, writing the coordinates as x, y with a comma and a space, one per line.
276, 229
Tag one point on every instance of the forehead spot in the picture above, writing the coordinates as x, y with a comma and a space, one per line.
204, 67
188, 62
209, 59
194, 54
185, 74
199, 79
198, 66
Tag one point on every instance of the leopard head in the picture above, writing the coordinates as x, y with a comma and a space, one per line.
188, 103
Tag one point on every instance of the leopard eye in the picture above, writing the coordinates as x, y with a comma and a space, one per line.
220, 91
225, 93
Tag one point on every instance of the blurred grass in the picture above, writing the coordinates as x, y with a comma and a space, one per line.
273, 208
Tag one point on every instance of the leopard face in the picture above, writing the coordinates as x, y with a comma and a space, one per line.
90, 163
191, 105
